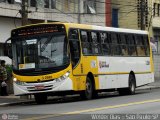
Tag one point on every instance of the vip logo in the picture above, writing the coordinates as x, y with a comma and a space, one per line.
4, 116
103, 64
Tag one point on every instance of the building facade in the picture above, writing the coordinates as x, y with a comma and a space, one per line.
124, 13
156, 34
133, 14
156, 23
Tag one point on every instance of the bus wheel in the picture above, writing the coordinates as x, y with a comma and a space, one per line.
131, 89
132, 85
88, 93
40, 98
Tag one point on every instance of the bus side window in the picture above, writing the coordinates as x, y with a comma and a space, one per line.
95, 43
132, 45
140, 45
105, 43
146, 43
86, 48
74, 46
123, 44
115, 48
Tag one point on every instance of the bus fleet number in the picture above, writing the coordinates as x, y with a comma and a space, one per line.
46, 77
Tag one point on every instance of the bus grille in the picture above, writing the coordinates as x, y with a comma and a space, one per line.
40, 81
33, 88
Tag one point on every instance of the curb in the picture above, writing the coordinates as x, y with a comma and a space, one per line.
16, 103
147, 87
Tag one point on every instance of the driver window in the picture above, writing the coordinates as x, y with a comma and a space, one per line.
74, 46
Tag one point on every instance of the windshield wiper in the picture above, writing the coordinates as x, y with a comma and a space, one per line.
52, 51
46, 44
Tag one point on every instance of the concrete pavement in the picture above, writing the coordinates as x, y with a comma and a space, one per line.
13, 100
153, 85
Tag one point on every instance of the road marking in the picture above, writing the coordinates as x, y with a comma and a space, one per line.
114, 106
2, 104
94, 109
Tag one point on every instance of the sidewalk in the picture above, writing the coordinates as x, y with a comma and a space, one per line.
156, 84
13, 100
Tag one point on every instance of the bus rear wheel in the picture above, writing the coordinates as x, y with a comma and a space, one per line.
132, 87
88, 93
40, 98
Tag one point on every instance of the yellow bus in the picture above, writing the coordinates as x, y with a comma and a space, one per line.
68, 58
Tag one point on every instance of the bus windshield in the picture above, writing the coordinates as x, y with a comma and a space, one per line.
38, 52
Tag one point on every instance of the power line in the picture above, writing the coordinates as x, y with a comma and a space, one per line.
66, 12
129, 3
120, 5
15, 19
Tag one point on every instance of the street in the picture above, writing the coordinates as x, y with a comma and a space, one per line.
110, 106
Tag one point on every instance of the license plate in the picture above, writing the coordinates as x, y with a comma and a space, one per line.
39, 87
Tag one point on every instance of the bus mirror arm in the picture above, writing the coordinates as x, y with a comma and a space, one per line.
8, 48
7, 40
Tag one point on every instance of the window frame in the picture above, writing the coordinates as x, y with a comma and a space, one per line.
131, 44
76, 39
115, 46
124, 40
140, 46
106, 42
88, 50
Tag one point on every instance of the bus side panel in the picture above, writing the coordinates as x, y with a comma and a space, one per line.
79, 83
113, 81
90, 65
123, 65
142, 79
87, 64
114, 71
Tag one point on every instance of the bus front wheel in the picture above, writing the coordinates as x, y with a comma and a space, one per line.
40, 98
88, 93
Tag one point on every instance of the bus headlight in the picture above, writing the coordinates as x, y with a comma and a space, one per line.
63, 77
18, 82
14, 79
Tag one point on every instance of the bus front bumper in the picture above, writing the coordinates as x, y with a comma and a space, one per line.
44, 87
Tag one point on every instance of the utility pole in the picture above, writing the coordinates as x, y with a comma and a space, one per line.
142, 13
79, 11
24, 12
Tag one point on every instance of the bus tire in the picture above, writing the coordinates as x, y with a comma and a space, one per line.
132, 87
40, 98
88, 93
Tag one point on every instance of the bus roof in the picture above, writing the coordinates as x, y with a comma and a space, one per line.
92, 27
101, 28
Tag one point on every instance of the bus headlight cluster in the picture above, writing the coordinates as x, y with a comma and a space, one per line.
18, 82
63, 77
